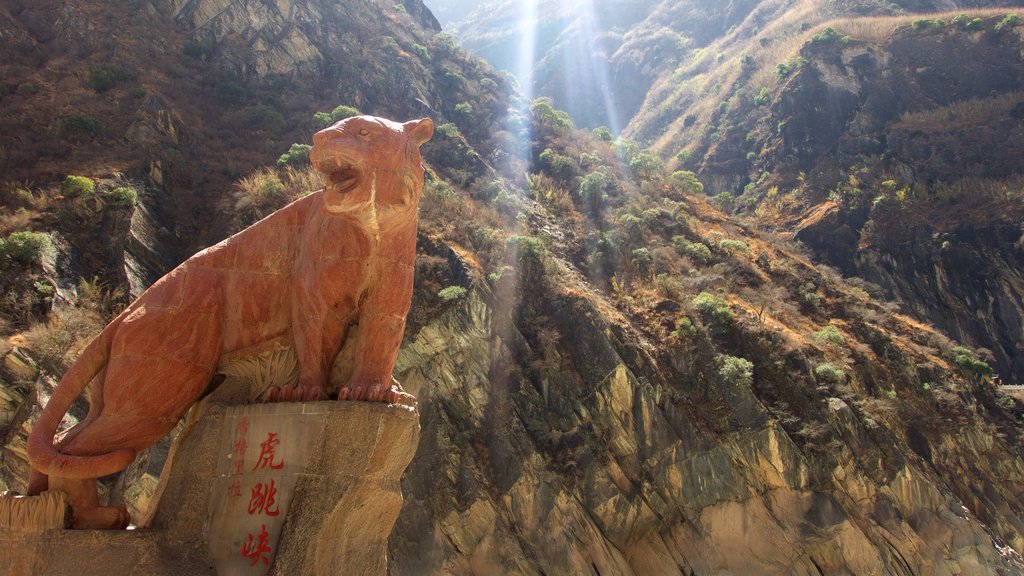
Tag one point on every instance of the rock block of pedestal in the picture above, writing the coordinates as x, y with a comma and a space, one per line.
297, 488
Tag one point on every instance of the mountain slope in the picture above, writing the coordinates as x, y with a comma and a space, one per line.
891, 147
645, 386
614, 376
598, 59
196, 93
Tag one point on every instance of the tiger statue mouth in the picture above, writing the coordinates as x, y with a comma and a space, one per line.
342, 175
372, 166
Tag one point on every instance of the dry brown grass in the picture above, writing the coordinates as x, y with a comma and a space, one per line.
879, 28
301, 181
14, 221
58, 342
964, 112
268, 189
700, 85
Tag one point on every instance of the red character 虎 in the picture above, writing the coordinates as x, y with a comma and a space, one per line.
267, 448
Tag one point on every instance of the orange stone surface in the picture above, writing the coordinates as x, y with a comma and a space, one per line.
329, 274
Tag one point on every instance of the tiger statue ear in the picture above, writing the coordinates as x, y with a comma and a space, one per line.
419, 131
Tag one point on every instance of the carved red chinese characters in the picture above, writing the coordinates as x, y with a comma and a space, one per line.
256, 548
329, 275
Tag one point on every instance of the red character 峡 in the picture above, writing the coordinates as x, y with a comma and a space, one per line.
257, 548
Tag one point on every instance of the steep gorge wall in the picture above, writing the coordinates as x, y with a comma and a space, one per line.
950, 253
612, 465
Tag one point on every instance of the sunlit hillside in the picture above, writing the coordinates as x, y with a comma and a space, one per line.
754, 324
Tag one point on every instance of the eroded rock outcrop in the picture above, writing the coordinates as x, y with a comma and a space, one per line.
531, 471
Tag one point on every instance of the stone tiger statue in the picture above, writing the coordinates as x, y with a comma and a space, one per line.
329, 274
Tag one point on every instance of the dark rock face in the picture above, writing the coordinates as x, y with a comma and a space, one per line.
196, 94
938, 108
966, 282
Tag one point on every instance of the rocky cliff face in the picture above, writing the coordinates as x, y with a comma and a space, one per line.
198, 93
617, 462
896, 156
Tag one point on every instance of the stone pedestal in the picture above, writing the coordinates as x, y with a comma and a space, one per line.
296, 488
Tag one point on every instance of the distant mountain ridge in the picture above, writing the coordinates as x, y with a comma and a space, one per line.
719, 89
597, 59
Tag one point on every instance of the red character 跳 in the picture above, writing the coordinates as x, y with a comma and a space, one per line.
263, 499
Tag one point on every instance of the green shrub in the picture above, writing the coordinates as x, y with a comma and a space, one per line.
259, 194
829, 372
669, 286
449, 129
831, 335
526, 246
967, 362
424, 54
967, 23
339, 113
1009, 21
724, 201
272, 187
297, 154
75, 186
25, 248
20, 198
103, 77
603, 133
464, 109
645, 166
922, 24
643, 261
788, 67
696, 250
546, 115
26, 89
684, 328
812, 299
451, 293
714, 311
453, 79
764, 96
730, 246
122, 197
80, 125
231, 91
686, 182
193, 49
263, 117
593, 186
439, 189
826, 36
735, 371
